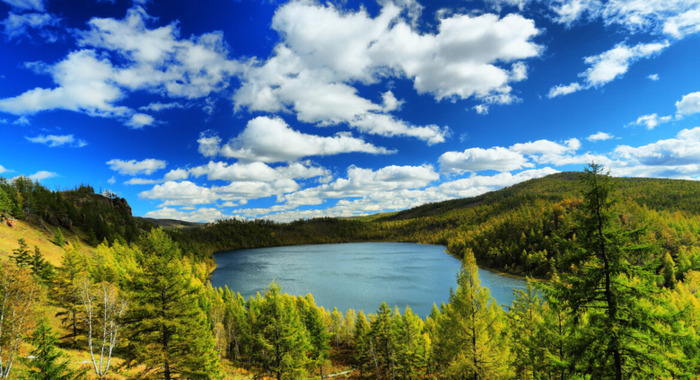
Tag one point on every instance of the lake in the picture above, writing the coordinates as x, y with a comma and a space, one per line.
355, 275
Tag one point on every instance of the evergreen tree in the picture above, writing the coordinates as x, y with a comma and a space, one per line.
58, 238
40, 267
669, 271
73, 266
168, 331
524, 320
281, 339
318, 334
46, 362
471, 342
412, 346
21, 256
361, 337
383, 342
621, 331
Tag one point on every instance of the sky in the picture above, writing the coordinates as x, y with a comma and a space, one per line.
286, 110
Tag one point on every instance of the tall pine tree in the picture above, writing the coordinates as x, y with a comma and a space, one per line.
167, 329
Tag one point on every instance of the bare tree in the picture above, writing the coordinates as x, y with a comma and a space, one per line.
103, 308
18, 293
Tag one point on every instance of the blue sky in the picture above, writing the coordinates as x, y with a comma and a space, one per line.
287, 110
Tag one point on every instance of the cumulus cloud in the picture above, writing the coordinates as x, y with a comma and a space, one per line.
675, 157
34, 5
652, 120
609, 65
477, 159
55, 141
140, 120
689, 104
117, 57
600, 136
272, 140
203, 214
323, 51
362, 182
42, 175
133, 167
19, 25
257, 171
564, 89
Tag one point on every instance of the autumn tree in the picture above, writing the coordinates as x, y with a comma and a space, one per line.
19, 293
471, 342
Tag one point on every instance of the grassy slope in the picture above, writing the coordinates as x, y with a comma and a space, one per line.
34, 236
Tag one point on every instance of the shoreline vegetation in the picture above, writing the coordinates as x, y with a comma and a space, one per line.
621, 258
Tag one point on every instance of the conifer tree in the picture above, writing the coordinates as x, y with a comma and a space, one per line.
361, 337
58, 238
621, 331
73, 266
412, 345
21, 255
383, 341
46, 362
40, 267
281, 339
318, 334
167, 329
524, 319
471, 342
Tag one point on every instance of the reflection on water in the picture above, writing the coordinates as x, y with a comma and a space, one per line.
355, 275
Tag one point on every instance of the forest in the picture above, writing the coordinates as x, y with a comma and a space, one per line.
619, 296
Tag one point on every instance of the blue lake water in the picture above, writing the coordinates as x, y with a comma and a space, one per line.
355, 275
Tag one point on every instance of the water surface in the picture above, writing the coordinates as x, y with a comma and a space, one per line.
355, 275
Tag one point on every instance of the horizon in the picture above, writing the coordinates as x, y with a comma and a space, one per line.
287, 110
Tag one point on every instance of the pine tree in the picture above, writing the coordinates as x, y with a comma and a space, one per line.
46, 362
471, 342
281, 339
73, 266
361, 351
524, 319
58, 238
621, 330
167, 329
383, 342
21, 256
669, 271
40, 267
318, 334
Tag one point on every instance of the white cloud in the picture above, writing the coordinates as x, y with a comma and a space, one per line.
652, 120
324, 51
689, 104
477, 185
176, 175
675, 157
546, 147
562, 89
477, 159
481, 109
35, 5
362, 182
653, 77
3, 169
209, 144
133, 167
122, 56
180, 193
204, 214
272, 140
42, 175
22, 120
158, 106
609, 65
19, 25
600, 136
112, 180
140, 120
257, 171
55, 141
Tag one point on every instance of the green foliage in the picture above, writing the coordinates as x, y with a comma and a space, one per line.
73, 267
21, 255
46, 362
620, 327
58, 238
168, 332
471, 340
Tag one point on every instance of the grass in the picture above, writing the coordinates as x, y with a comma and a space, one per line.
34, 236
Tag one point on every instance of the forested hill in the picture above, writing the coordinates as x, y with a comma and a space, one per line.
518, 229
